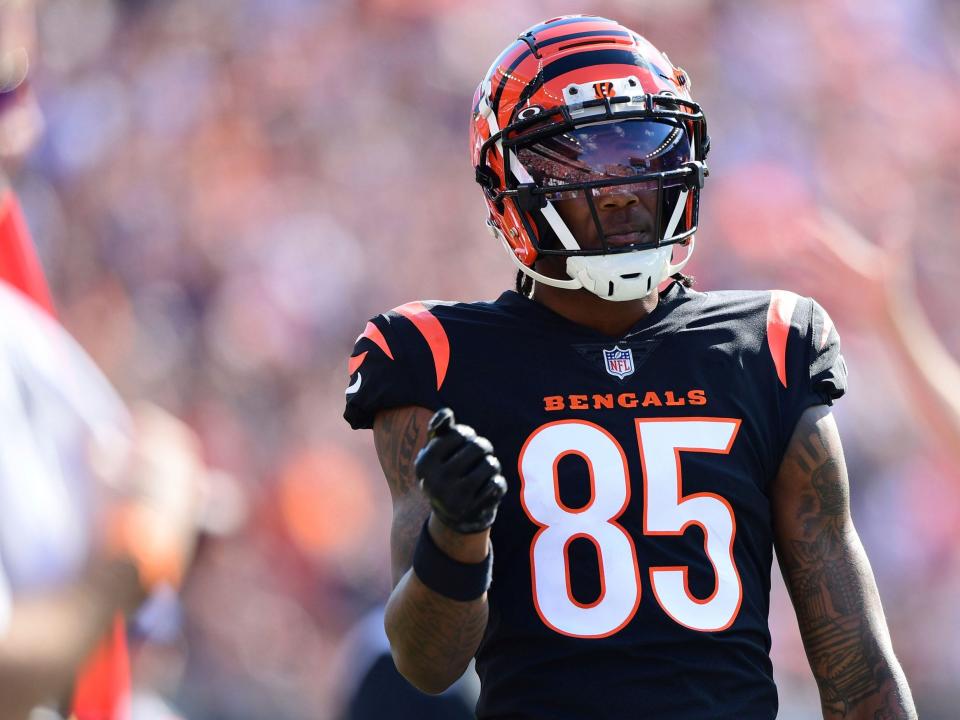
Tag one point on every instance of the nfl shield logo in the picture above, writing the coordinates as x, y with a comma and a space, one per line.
619, 362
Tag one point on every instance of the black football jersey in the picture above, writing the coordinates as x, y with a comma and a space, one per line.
632, 551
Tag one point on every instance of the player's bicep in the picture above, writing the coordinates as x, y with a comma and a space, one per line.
811, 488
810, 500
398, 434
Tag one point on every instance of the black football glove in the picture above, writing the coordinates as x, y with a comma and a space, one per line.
460, 475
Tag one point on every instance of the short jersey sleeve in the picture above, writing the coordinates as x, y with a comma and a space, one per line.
386, 371
811, 369
827, 368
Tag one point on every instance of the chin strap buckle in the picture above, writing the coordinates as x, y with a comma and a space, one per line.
527, 200
486, 178
698, 176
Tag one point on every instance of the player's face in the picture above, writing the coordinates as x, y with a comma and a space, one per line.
627, 215
629, 155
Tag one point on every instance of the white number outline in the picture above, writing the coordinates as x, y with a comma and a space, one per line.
654, 572
612, 520
662, 571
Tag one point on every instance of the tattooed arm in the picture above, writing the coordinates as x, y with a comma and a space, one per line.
830, 580
432, 638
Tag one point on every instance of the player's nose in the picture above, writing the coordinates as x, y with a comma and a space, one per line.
617, 200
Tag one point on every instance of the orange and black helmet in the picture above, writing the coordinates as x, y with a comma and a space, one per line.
579, 106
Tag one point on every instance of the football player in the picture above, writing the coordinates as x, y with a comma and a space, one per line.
591, 473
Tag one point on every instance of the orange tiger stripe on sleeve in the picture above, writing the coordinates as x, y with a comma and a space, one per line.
433, 332
782, 305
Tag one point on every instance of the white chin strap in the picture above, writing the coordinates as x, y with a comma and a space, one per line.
630, 275
626, 276
618, 276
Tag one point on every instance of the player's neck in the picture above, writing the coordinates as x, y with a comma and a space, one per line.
585, 308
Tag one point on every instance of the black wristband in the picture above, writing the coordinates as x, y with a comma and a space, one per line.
448, 577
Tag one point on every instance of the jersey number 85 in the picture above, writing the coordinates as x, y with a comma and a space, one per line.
665, 512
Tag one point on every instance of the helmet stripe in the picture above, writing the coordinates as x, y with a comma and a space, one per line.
504, 77
546, 43
549, 25
576, 61
585, 34
568, 63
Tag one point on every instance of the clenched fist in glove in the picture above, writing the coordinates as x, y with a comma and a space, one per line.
460, 475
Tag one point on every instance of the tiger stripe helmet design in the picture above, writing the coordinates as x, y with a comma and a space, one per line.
548, 120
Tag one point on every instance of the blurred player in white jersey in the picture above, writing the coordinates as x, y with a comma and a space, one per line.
96, 507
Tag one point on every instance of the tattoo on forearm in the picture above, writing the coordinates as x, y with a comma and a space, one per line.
409, 447
833, 606
893, 708
441, 633
399, 434
438, 632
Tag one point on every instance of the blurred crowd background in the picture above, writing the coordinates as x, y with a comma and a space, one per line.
226, 190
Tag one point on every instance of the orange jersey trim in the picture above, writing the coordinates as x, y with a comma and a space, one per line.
782, 305
433, 332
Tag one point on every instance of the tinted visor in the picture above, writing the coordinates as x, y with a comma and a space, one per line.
614, 151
